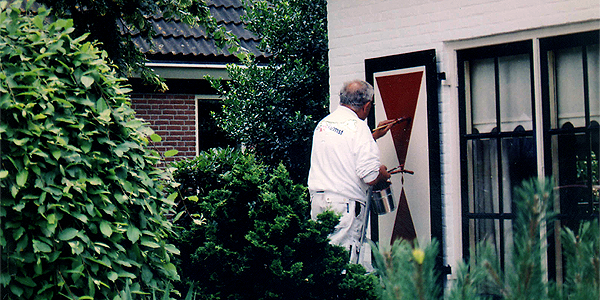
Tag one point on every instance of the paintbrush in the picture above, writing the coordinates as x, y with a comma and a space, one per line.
396, 121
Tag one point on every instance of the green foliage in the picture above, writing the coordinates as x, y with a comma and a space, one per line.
82, 207
273, 109
523, 278
256, 240
112, 23
583, 264
465, 285
407, 272
582, 168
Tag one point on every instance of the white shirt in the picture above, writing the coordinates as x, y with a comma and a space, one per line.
344, 155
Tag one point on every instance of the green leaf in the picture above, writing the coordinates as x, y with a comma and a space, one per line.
76, 247
22, 177
101, 105
172, 249
26, 281
20, 142
150, 244
38, 266
104, 116
95, 181
112, 276
171, 153
56, 153
18, 291
100, 262
68, 234
171, 270
178, 216
156, 138
39, 246
172, 196
18, 233
133, 234
86, 146
87, 81
4, 278
81, 217
105, 228
134, 124
3, 174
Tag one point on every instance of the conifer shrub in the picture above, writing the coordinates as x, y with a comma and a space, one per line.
245, 233
524, 277
82, 206
407, 271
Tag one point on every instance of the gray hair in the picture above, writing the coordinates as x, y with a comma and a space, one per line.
356, 93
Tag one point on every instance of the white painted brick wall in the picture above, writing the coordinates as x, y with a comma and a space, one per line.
361, 29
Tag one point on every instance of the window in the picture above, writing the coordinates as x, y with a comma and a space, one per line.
209, 135
571, 116
499, 130
497, 137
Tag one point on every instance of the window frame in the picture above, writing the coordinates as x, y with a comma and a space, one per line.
549, 45
537, 48
463, 56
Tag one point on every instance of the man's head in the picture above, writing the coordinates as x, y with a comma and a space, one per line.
358, 96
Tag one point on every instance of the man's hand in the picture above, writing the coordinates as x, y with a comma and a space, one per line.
383, 175
383, 127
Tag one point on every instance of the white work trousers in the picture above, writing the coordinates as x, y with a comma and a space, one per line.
352, 222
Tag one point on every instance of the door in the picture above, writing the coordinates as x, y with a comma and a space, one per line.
406, 87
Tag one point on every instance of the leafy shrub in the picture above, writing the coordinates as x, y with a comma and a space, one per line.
82, 207
251, 237
274, 108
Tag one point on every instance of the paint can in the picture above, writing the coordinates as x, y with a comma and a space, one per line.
382, 199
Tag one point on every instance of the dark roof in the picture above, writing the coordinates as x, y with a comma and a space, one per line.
175, 40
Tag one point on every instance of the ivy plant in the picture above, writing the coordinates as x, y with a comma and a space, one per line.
82, 204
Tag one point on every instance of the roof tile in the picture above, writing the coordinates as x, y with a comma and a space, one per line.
175, 38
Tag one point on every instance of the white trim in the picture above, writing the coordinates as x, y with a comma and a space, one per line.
186, 65
528, 34
539, 137
188, 70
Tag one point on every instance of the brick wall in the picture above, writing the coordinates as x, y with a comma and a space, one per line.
171, 116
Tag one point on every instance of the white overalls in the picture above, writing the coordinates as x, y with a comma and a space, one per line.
344, 158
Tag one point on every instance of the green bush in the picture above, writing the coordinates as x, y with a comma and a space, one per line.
273, 108
246, 234
82, 207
